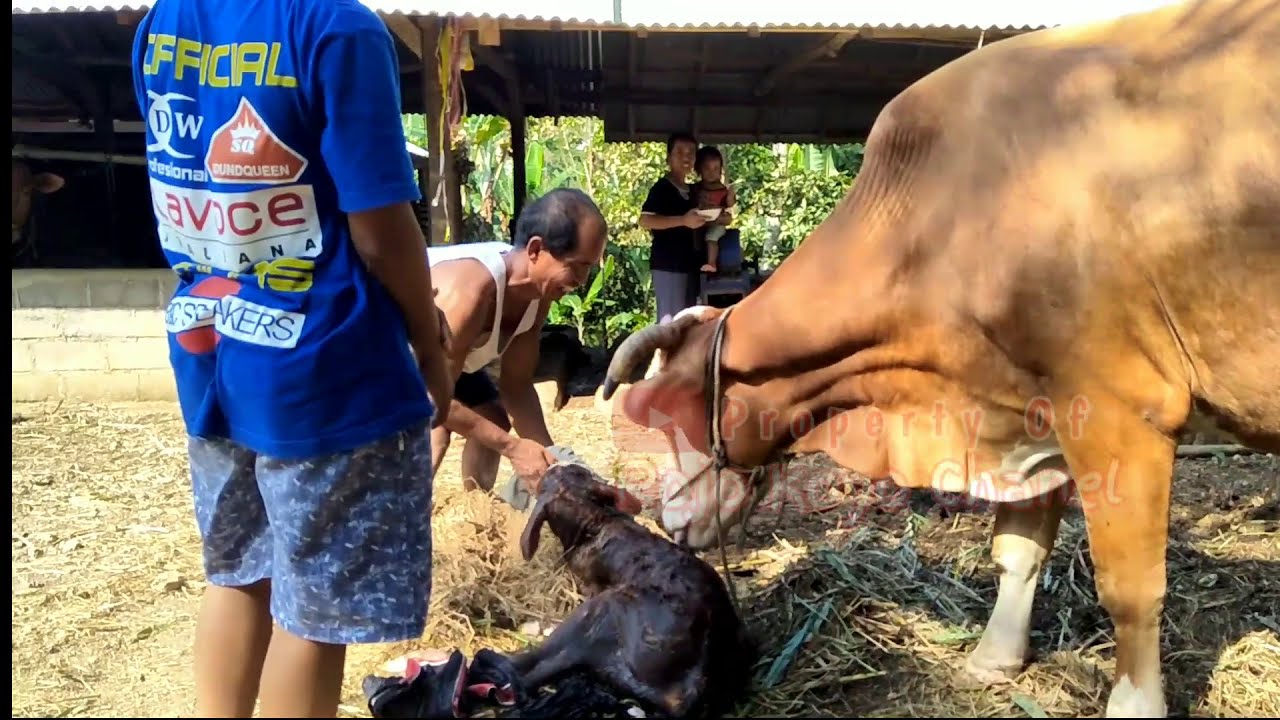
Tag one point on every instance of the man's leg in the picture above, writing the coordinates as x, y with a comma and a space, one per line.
671, 291
480, 464
352, 563
234, 625
692, 285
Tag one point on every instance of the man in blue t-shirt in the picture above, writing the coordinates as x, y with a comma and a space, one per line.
304, 339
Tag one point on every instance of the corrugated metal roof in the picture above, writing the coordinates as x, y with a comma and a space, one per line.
765, 14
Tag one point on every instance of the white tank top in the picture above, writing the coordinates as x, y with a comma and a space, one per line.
491, 254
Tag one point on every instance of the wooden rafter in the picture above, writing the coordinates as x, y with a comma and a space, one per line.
828, 47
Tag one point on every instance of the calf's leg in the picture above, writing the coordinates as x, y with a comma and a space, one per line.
582, 640
673, 700
1123, 469
1023, 538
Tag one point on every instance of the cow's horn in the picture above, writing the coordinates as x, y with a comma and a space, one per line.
640, 347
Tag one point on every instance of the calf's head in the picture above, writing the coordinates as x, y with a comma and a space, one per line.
672, 399
25, 183
577, 504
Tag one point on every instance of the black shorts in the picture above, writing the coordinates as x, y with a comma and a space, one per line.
475, 389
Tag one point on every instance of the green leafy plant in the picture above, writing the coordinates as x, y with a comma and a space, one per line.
783, 192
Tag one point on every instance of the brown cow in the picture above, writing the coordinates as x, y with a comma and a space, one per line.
24, 183
1080, 219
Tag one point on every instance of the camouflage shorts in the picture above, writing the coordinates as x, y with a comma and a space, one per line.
345, 539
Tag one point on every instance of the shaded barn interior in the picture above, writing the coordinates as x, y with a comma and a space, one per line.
73, 95
71, 79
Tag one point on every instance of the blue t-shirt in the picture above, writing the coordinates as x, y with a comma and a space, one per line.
268, 121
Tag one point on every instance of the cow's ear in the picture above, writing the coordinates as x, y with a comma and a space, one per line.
47, 182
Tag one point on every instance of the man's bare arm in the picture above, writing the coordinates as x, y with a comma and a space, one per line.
468, 313
515, 384
390, 242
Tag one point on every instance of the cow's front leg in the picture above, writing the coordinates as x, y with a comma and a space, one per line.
1022, 540
1123, 470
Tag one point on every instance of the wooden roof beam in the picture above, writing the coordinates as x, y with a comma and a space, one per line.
404, 28
663, 99
828, 47
504, 66
955, 34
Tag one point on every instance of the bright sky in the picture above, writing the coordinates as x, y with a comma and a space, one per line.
984, 13
888, 12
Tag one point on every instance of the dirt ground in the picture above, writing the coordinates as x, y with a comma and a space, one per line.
865, 608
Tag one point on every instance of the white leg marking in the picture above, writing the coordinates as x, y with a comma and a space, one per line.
1131, 701
1003, 649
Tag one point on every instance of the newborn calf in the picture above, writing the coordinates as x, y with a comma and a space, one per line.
658, 624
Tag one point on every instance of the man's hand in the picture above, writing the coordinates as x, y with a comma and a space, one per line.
530, 460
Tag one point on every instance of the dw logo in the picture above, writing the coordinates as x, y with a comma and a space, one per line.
163, 122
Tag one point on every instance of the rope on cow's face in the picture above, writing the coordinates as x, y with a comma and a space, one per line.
719, 454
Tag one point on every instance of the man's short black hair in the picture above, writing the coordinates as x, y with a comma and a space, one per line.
555, 218
676, 137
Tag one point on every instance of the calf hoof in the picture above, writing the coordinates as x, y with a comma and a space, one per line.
984, 670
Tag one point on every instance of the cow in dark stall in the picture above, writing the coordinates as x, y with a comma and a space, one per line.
78, 214
27, 185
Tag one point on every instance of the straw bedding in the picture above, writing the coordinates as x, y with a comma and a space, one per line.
866, 608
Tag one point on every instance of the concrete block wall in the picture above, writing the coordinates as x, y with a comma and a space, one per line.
91, 335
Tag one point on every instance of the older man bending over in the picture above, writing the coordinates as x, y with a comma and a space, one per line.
496, 297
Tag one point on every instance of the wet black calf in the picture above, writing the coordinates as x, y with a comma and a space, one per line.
658, 624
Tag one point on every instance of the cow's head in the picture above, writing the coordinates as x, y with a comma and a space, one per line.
25, 182
672, 398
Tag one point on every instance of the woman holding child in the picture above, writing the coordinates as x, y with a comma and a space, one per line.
670, 214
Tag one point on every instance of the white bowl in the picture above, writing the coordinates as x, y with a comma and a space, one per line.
710, 213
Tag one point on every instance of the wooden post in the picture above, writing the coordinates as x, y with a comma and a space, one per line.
519, 170
519, 180
442, 195
512, 101
104, 128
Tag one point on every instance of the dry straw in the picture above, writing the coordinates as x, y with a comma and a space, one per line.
862, 613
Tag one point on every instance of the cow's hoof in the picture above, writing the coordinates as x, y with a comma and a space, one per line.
984, 672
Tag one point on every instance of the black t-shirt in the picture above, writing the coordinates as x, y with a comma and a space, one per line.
673, 248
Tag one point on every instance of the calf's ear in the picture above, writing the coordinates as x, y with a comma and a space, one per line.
618, 497
533, 530
628, 503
